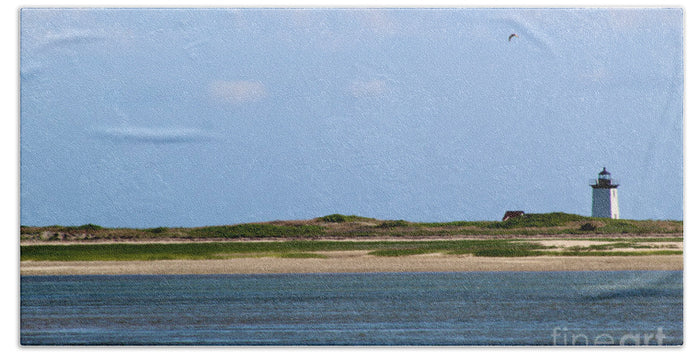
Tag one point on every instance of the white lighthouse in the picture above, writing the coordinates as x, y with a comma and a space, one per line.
605, 196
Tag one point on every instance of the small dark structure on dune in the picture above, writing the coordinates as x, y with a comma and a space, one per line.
511, 214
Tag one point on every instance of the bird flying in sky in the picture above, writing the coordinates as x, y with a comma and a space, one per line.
511, 36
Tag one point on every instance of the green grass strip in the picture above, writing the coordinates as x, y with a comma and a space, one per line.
220, 250
295, 249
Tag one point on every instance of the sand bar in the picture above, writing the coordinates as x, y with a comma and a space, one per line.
348, 262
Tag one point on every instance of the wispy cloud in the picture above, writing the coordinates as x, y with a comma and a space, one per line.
155, 135
236, 92
72, 36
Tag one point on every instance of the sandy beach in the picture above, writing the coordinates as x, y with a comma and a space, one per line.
356, 261
349, 261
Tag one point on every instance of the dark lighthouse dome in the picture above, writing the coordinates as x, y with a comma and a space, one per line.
604, 180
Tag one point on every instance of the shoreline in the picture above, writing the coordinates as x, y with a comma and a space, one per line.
354, 262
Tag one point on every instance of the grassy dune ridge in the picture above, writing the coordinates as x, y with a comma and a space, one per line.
516, 237
344, 226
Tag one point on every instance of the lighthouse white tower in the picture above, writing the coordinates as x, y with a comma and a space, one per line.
605, 196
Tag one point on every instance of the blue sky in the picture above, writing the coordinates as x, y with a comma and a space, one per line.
144, 118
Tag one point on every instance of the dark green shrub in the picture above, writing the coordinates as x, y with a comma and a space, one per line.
335, 218
394, 224
587, 227
157, 230
340, 218
90, 227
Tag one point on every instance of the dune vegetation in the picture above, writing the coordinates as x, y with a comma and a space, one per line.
337, 226
315, 249
515, 237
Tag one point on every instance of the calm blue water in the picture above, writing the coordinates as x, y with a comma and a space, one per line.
478, 308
